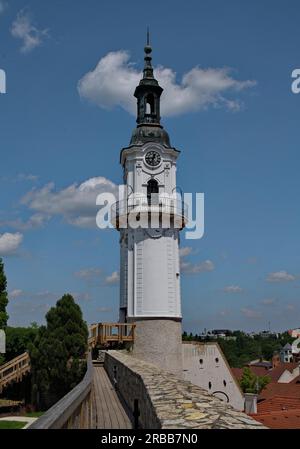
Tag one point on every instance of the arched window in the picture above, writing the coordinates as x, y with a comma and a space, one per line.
150, 104
152, 191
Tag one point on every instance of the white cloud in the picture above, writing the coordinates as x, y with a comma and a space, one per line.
195, 268
22, 28
232, 289
250, 313
88, 273
76, 203
280, 276
35, 221
113, 279
185, 251
27, 177
9, 243
16, 293
113, 81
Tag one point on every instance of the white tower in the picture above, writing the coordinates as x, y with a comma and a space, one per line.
149, 265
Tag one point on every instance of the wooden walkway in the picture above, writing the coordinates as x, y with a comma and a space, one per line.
108, 410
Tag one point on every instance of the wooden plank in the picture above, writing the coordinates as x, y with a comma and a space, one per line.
116, 405
103, 416
109, 400
110, 413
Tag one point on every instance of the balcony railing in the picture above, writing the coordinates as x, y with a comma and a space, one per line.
164, 208
105, 333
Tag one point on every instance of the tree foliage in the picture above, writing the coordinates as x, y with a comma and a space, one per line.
244, 348
19, 339
58, 353
250, 383
3, 297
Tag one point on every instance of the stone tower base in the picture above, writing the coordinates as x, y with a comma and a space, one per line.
159, 341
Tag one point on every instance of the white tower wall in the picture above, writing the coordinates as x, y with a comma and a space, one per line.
149, 253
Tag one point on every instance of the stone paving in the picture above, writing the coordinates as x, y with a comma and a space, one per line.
178, 404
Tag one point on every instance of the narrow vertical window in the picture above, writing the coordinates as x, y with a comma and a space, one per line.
152, 192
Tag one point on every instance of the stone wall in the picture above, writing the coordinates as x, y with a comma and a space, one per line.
167, 402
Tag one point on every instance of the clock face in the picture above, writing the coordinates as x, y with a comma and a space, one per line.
153, 158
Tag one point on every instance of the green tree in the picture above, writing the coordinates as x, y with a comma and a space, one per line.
58, 353
18, 340
250, 383
3, 297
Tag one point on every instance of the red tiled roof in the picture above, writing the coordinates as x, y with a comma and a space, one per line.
289, 390
278, 404
237, 372
257, 370
280, 420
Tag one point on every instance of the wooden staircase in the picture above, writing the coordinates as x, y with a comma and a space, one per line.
14, 370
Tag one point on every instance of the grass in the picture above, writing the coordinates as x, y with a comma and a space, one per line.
34, 414
12, 424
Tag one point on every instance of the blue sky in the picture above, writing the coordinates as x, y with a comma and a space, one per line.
229, 109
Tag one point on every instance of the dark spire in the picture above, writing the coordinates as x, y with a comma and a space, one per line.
148, 91
148, 94
148, 69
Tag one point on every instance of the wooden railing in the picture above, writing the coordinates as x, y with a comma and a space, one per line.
74, 410
100, 333
105, 333
14, 370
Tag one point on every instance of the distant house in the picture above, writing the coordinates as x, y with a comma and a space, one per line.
260, 363
284, 373
286, 354
214, 334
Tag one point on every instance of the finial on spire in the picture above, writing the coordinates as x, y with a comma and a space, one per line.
148, 48
148, 70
